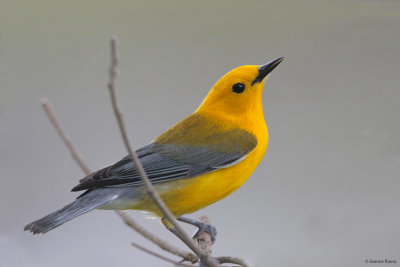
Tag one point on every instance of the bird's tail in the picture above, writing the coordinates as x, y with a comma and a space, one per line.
85, 203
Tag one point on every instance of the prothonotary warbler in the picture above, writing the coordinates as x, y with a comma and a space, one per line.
198, 161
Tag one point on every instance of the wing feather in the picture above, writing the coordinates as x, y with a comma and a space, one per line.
172, 157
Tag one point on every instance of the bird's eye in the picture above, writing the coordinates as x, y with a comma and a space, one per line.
238, 88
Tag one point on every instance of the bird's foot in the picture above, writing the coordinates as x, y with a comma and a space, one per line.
203, 225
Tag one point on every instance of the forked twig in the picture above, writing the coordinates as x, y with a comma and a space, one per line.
205, 260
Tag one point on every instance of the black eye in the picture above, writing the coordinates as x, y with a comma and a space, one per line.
238, 88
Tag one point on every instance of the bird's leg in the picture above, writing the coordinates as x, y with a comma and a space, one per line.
204, 227
169, 226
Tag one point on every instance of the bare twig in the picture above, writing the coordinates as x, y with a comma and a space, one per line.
74, 152
46, 104
187, 256
155, 254
204, 257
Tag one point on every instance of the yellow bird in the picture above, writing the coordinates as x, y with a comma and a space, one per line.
198, 161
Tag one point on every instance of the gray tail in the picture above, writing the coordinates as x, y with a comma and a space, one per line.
85, 203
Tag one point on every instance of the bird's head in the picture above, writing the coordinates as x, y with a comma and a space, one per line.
239, 92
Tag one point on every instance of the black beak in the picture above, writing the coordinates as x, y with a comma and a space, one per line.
265, 69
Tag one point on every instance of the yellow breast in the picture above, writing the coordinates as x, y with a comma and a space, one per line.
188, 195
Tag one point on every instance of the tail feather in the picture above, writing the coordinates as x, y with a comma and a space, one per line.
80, 206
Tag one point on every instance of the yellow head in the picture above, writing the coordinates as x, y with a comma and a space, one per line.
238, 94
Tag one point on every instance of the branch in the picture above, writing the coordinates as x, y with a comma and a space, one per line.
204, 258
67, 141
46, 104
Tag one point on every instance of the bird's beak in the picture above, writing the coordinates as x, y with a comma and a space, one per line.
265, 69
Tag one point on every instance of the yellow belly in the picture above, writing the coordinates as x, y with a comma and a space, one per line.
188, 195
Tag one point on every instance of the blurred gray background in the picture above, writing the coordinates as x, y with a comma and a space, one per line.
327, 191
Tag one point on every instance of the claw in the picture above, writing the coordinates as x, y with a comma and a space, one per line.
203, 227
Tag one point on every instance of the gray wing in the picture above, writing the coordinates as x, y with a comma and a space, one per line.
162, 162
194, 146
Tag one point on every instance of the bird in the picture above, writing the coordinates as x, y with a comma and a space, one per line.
198, 161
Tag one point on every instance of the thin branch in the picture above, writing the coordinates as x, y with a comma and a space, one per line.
204, 258
187, 256
74, 152
47, 106
155, 254
228, 259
